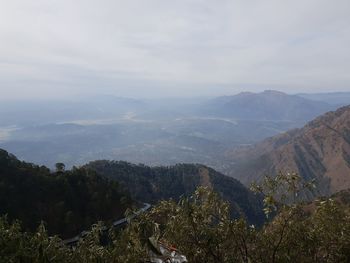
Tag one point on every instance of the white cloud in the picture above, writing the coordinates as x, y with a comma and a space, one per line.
66, 47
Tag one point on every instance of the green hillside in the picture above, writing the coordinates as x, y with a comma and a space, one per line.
151, 184
67, 201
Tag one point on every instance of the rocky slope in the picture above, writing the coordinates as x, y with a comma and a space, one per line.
320, 150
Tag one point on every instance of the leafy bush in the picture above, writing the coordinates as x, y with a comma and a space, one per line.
200, 226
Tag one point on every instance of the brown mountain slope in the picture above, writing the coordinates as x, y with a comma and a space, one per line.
320, 150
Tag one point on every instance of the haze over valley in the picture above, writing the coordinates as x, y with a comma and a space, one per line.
174, 131
154, 132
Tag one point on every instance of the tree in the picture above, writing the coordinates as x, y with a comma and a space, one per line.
201, 228
60, 167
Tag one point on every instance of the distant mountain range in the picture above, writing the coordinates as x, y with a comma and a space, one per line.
154, 132
333, 98
36, 112
320, 150
267, 105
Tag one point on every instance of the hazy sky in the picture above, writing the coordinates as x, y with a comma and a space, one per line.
178, 47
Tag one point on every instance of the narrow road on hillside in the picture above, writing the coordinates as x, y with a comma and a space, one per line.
118, 223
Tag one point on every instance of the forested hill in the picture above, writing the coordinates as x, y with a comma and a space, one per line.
67, 201
151, 184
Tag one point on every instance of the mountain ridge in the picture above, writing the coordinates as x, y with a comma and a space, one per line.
320, 150
151, 184
266, 105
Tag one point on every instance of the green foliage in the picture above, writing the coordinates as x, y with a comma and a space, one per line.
281, 190
317, 232
68, 202
17, 246
60, 167
200, 224
201, 228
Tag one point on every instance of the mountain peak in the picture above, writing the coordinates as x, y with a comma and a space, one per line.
274, 93
266, 105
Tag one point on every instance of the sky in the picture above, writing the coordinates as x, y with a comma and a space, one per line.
146, 48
